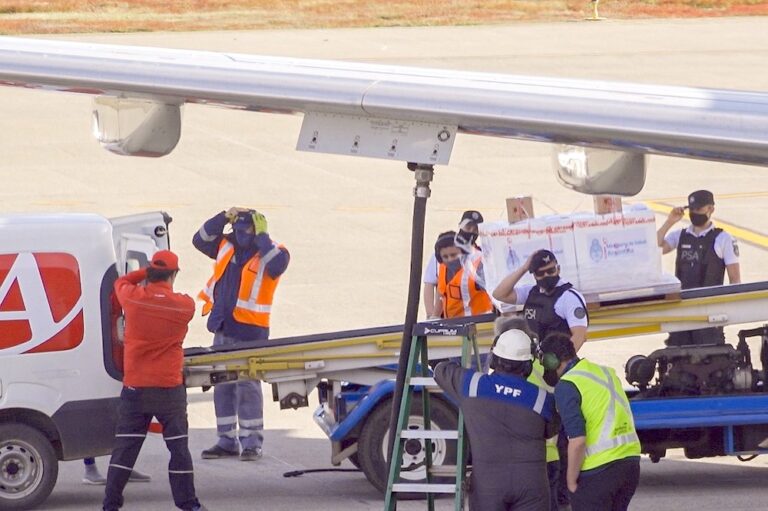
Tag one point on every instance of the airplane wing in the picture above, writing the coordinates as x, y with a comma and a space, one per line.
357, 98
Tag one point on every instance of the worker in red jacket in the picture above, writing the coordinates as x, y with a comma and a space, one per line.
156, 320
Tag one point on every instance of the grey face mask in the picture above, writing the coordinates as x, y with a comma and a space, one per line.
454, 265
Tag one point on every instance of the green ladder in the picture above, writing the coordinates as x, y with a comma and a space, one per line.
417, 374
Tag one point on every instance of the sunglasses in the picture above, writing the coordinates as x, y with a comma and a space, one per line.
548, 272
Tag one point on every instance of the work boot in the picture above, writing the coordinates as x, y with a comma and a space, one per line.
139, 477
199, 507
92, 476
251, 454
217, 452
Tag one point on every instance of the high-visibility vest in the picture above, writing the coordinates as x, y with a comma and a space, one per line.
462, 296
257, 287
537, 378
611, 433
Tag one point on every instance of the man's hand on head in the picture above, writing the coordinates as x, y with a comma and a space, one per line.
259, 223
232, 213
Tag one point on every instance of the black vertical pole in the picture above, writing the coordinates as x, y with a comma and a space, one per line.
423, 175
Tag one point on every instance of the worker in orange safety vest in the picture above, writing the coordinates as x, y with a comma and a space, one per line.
238, 301
460, 279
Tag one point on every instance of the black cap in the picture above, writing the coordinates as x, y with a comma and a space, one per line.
470, 217
540, 259
701, 198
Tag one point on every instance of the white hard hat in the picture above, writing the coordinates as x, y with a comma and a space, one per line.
513, 345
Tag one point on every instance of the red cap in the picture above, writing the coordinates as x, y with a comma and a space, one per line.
165, 260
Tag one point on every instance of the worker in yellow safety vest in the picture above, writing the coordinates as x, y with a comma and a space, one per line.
459, 279
603, 446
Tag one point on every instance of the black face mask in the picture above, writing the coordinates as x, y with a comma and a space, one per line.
548, 283
698, 219
466, 237
551, 378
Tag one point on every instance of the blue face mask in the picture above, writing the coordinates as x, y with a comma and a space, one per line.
243, 238
454, 266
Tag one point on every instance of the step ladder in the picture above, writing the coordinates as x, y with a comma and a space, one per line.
418, 375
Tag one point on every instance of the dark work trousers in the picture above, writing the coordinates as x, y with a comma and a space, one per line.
553, 475
610, 489
509, 486
137, 407
563, 495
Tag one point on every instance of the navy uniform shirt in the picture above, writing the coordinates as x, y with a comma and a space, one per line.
507, 418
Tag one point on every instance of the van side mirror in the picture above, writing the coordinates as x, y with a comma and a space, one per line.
599, 171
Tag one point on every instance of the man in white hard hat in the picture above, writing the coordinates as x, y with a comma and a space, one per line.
507, 420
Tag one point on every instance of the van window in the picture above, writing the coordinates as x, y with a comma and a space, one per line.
111, 317
135, 260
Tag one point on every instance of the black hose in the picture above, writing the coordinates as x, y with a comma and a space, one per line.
411, 312
746, 458
297, 473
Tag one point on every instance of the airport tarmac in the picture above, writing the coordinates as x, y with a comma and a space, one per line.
347, 221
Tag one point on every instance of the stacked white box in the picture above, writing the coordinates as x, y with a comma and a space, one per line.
617, 251
506, 246
597, 253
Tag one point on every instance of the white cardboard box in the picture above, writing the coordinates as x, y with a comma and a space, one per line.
597, 253
506, 246
617, 251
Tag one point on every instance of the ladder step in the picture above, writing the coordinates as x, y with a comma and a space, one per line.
447, 470
424, 488
424, 381
443, 470
425, 434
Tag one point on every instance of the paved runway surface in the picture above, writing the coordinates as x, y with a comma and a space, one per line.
346, 221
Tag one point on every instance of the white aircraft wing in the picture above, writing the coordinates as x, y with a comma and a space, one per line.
139, 86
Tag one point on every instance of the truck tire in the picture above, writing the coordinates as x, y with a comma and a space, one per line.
355, 460
374, 436
28, 467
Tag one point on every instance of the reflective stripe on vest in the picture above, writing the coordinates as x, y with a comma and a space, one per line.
250, 304
225, 253
610, 428
472, 300
254, 298
537, 378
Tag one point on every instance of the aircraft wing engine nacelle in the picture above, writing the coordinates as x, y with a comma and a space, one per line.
136, 127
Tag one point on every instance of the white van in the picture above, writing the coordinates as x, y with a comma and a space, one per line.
60, 357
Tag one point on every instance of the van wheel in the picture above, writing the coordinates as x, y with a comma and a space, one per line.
28, 467
374, 437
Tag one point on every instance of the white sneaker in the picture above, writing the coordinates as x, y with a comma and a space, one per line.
93, 477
